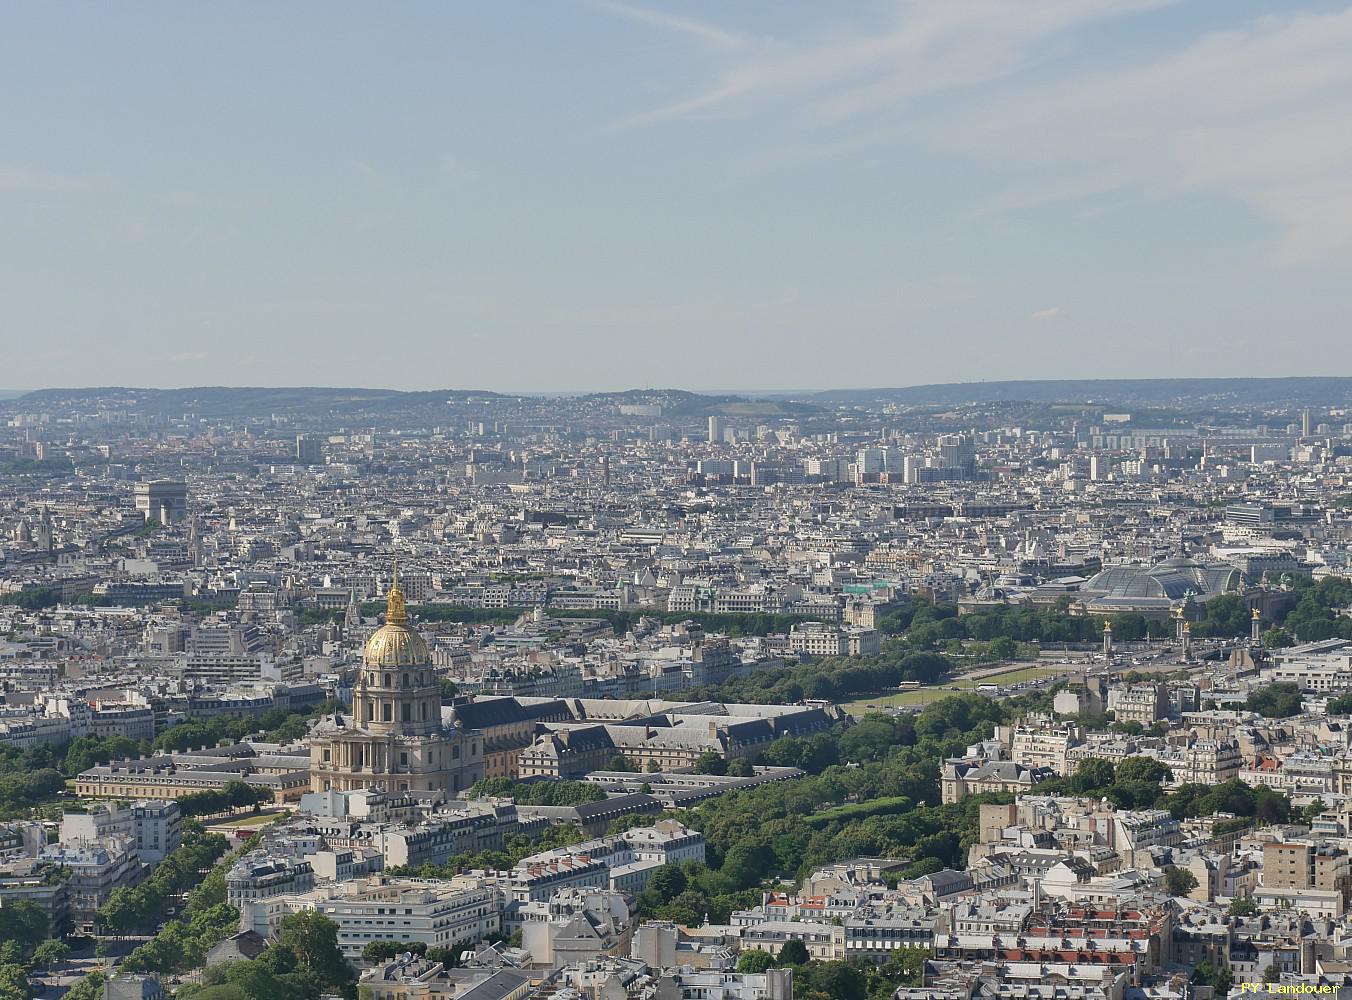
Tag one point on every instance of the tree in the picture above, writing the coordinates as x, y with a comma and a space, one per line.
1272, 973
1276, 701
687, 909
666, 884
1179, 881
793, 953
868, 739
741, 768
50, 953
1223, 617
836, 980
1205, 974
1277, 638
14, 983
710, 762
88, 987
1311, 812
23, 923
383, 951
755, 961
1093, 776
620, 762
1243, 906
314, 939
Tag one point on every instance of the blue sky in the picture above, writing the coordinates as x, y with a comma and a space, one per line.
592, 194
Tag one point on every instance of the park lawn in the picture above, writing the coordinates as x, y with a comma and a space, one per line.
925, 695
1015, 676
254, 819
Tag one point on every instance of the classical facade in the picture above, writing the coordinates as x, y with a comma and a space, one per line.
395, 739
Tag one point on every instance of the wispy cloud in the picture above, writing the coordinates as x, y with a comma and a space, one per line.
1050, 313
20, 180
182, 199
1258, 115
702, 31
922, 48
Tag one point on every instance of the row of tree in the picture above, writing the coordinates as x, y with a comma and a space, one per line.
205, 920
539, 793
129, 909
215, 801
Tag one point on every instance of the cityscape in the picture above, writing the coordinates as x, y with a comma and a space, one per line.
676, 500
658, 694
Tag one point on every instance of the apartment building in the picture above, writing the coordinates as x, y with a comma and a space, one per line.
440, 914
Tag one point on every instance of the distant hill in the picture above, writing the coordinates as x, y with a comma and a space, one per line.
682, 403
229, 401
1311, 391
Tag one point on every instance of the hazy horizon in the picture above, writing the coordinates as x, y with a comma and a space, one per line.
555, 197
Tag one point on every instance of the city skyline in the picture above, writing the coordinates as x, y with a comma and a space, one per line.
616, 194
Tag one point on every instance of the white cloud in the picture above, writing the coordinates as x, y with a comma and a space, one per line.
1257, 115
19, 180
702, 31
923, 48
1050, 313
182, 199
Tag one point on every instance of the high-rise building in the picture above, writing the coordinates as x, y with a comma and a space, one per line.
871, 460
162, 500
309, 450
957, 452
715, 430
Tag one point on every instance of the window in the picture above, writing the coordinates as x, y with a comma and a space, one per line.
408, 712
403, 759
388, 712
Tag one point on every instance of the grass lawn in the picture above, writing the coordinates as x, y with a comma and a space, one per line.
234, 822
1015, 676
925, 695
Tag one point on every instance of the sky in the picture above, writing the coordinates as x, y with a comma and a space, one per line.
578, 195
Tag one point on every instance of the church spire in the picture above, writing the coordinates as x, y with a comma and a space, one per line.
396, 612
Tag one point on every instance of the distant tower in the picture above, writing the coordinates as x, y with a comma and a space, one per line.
195, 542
1254, 625
605, 469
46, 531
1107, 640
715, 430
352, 617
1187, 640
1305, 422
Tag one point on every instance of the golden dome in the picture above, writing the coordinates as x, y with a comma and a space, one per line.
394, 644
